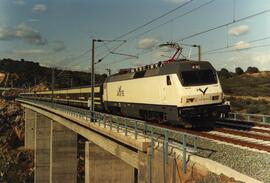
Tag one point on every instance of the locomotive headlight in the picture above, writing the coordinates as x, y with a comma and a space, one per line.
215, 97
189, 100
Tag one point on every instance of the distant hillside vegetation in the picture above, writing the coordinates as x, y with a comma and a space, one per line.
246, 84
248, 91
252, 106
27, 74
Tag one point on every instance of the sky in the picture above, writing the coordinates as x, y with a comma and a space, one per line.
59, 33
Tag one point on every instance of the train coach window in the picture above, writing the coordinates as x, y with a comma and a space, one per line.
139, 74
169, 82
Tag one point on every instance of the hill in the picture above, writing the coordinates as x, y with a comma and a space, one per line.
247, 84
247, 92
25, 74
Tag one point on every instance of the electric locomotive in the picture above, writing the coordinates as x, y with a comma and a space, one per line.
176, 91
179, 92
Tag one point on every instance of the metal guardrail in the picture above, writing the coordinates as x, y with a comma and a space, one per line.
259, 118
3, 88
134, 127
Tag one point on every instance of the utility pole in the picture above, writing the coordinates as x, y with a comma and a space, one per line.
92, 108
52, 85
71, 82
109, 71
35, 80
199, 52
6, 82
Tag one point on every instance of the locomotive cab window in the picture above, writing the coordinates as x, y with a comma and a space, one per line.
168, 79
198, 77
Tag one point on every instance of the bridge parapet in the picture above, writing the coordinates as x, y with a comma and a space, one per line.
258, 118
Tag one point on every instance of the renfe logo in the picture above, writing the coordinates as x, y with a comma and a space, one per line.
120, 92
203, 91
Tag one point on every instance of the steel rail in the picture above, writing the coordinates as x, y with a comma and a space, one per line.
243, 134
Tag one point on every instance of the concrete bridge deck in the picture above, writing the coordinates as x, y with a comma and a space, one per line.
111, 154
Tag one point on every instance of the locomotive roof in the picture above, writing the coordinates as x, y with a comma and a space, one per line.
164, 69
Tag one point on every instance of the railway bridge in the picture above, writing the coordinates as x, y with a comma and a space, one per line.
117, 149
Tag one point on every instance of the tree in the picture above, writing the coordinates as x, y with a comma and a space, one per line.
239, 70
224, 73
252, 70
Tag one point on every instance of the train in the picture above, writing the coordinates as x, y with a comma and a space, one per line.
184, 92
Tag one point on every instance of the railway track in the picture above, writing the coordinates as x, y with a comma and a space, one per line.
243, 134
248, 136
240, 140
244, 125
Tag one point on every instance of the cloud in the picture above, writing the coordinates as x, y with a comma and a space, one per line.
58, 46
253, 59
29, 35
147, 43
241, 45
164, 53
39, 8
7, 33
166, 49
175, 1
236, 31
22, 32
3, 20
161, 55
30, 52
157, 55
43, 55
33, 20
19, 2
263, 59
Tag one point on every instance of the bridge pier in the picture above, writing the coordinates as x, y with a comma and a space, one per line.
144, 171
164, 170
42, 148
102, 166
63, 160
29, 137
159, 168
55, 149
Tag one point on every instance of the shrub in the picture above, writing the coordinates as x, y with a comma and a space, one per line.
252, 70
253, 109
224, 73
239, 70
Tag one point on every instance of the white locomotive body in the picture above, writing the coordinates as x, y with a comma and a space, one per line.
174, 92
